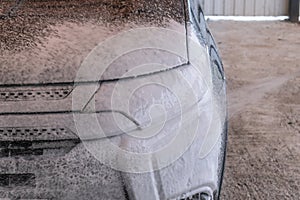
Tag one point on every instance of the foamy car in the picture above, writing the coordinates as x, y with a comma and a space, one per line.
111, 100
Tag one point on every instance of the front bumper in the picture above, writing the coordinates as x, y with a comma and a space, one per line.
65, 169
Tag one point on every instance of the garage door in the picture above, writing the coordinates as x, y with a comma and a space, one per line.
245, 7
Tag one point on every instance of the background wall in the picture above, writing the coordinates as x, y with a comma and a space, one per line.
245, 7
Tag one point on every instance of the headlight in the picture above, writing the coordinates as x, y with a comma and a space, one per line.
155, 115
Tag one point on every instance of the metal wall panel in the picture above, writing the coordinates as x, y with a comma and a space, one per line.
259, 9
208, 6
229, 7
219, 7
245, 7
250, 5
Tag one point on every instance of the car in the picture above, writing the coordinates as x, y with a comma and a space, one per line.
111, 100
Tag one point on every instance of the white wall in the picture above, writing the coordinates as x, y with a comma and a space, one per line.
245, 7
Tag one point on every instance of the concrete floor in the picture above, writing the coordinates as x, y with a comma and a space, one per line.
262, 62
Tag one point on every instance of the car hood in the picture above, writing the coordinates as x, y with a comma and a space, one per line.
49, 44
